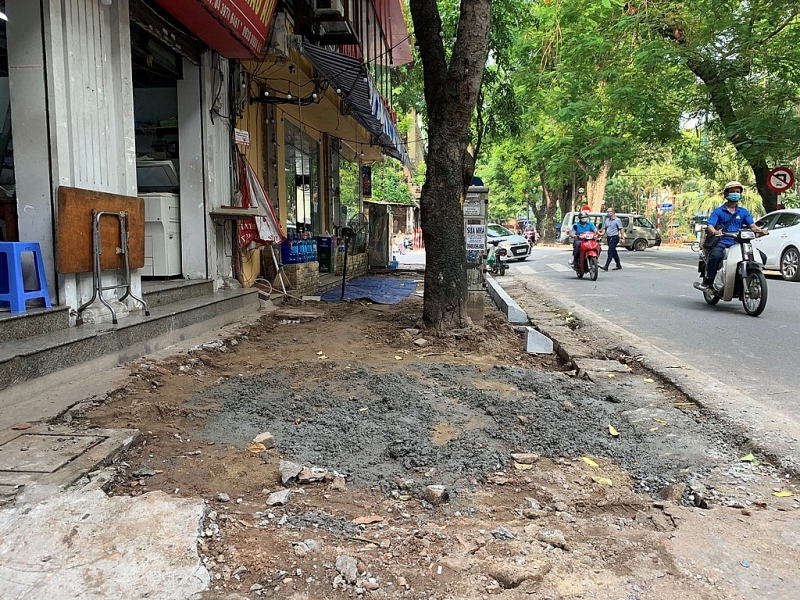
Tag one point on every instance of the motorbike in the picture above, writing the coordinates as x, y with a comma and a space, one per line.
589, 253
740, 274
495, 261
532, 237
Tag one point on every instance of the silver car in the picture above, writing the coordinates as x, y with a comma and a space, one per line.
517, 246
782, 245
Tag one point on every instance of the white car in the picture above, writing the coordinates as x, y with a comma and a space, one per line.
782, 245
517, 246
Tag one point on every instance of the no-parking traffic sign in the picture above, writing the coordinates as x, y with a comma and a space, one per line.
780, 179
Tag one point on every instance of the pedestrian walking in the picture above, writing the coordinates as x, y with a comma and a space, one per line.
400, 242
614, 231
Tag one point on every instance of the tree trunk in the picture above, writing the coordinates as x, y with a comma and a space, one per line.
451, 92
547, 226
596, 186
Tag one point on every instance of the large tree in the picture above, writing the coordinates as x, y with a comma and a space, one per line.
745, 56
452, 87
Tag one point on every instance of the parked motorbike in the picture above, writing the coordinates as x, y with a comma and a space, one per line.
740, 274
589, 253
495, 261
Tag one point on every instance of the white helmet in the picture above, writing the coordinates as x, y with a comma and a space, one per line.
583, 215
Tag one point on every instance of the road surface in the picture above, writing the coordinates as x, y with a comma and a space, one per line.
652, 297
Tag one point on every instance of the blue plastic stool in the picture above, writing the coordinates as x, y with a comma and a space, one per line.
12, 285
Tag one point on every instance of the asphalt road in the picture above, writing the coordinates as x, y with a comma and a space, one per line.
652, 297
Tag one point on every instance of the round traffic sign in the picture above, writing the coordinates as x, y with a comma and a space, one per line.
780, 179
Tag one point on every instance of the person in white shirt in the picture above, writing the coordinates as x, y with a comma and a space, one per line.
614, 231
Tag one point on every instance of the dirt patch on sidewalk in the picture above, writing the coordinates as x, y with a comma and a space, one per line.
457, 467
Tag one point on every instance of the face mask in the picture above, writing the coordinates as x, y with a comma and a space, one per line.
734, 197
583, 220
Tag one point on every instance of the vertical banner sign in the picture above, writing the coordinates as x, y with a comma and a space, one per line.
476, 237
366, 181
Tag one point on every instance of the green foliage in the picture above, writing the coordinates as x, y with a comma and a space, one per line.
623, 80
389, 183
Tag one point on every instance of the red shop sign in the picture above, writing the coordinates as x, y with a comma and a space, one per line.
234, 28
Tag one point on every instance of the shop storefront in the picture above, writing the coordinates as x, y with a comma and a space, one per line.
133, 98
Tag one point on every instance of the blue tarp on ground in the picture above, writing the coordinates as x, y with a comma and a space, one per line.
381, 290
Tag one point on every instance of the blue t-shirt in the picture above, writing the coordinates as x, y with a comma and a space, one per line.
729, 222
578, 227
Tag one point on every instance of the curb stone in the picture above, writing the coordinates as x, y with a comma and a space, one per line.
773, 435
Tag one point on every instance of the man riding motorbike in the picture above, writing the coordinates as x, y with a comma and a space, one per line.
729, 217
582, 225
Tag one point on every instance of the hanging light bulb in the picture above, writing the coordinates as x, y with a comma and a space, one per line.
314, 95
266, 92
441, 34
289, 95
338, 90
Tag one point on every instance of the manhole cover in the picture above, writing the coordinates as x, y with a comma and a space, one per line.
34, 453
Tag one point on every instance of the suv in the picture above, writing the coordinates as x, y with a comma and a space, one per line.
640, 233
517, 246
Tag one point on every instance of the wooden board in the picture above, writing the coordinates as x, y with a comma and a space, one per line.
74, 230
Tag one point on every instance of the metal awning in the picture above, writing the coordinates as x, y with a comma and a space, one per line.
358, 91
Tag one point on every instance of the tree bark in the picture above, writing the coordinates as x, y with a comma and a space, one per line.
451, 92
547, 226
596, 186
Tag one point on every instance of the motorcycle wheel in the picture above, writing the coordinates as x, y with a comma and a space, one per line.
592, 268
710, 297
502, 267
754, 294
579, 273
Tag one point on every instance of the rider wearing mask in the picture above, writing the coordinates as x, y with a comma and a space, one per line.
730, 217
582, 225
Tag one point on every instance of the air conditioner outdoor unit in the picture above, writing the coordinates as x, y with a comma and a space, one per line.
329, 7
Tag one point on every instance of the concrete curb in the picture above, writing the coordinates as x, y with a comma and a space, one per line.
756, 426
505, 303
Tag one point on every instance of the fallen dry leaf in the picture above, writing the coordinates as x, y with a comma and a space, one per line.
612, 431
602, 480
257, 448
783, 494
589, 461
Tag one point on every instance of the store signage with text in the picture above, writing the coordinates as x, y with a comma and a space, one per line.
476, 237
234, 28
